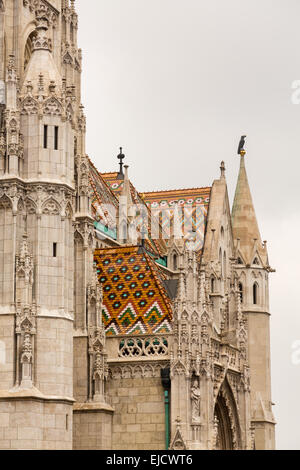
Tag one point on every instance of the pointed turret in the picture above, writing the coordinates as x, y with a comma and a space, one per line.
41, 61
126, 191
244, 222
252, 270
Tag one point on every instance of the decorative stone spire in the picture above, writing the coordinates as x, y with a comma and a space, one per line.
24, 269
41, 40
178, 441
201, 290
126, 191
41, 60
181, 292
11, 69
129, 210
244, 222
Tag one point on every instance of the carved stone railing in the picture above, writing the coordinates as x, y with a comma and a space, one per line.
216, 348
232, 355
225, 354
144, 347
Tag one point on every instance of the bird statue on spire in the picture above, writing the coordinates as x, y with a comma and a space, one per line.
241, 150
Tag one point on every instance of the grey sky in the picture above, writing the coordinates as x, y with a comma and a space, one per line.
176, 83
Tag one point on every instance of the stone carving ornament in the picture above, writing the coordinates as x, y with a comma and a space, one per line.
48, 10
195, 398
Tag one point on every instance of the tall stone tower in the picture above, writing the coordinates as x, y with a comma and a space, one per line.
253, 271
43, 192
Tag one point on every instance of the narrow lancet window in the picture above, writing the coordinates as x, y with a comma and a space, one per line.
56, 138
45, 137
255, 294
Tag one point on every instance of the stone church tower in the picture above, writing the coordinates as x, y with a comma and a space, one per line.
113, 336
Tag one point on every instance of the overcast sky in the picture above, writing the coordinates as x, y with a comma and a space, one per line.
176, 83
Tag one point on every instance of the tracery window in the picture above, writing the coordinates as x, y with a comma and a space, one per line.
28, 49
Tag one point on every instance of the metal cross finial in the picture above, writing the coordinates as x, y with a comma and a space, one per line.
121, 157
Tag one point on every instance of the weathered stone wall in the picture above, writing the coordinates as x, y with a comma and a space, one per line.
35, 425
92, 429
139, 417
7, 328
80, 369
54, 359
264, 436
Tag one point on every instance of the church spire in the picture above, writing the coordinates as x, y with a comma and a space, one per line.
244, 222
41, 61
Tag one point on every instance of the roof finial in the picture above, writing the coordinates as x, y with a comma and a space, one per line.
241, 150
126, 172
121, 157
223, 169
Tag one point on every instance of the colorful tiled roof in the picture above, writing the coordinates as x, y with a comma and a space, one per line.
157, 245
134, 298
104, 202
114, 184
192, 205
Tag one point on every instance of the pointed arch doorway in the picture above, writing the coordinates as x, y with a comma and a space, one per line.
226, 422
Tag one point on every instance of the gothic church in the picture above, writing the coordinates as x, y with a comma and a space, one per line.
113, 336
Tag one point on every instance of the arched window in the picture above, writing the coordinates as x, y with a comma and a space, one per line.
72, 33
175, 266
224, 265
241, 292
239, 260
64, 29
28, 49
220, 261
212, 284
75, 147
256, 261
255, 293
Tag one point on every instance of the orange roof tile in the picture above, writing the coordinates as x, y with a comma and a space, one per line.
134, 298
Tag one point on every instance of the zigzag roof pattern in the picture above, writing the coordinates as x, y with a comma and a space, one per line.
134, 298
